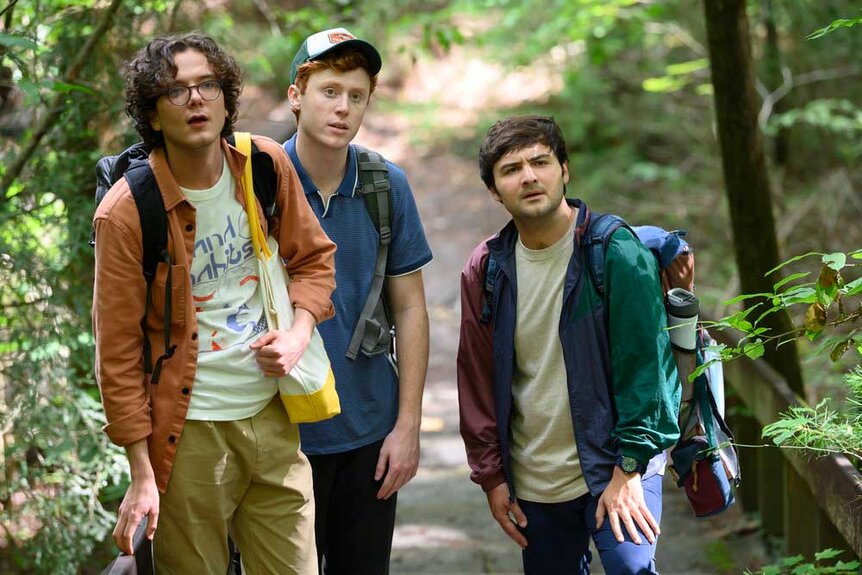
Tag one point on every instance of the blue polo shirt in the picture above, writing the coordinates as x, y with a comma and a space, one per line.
367, 386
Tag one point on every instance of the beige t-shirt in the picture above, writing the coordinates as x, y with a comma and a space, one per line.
229, 385
545, 462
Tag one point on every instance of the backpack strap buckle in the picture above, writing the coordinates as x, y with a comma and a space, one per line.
385, 235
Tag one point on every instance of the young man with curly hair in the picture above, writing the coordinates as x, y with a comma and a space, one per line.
362, 457
568, 397
210, 446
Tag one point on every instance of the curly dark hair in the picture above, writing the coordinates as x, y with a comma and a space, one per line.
516, 133
152, 71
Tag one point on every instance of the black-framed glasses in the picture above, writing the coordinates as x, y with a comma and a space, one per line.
180, 95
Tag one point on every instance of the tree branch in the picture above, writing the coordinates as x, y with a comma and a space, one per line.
8, 7
49, 120
789, 82
18, 304
267, 12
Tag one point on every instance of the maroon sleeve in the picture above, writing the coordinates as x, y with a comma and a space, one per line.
475, 378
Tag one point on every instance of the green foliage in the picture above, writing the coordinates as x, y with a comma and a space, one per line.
825, 562
838, 117
830, 305
835, 25
634, 106
60, 477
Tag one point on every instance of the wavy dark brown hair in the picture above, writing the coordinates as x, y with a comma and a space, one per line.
516, 133
152, 71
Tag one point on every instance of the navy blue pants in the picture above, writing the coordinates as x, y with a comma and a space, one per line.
352, 527
558, 537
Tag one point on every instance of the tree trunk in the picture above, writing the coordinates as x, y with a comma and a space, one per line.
774, 80
744, 166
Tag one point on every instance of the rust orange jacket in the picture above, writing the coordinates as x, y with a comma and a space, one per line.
134, 408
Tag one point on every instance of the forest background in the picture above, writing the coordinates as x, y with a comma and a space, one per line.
628, 80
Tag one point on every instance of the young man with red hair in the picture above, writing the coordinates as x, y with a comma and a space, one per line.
362, 457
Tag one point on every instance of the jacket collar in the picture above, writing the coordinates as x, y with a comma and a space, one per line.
502, 246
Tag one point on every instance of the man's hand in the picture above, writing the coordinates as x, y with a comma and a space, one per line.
623, 500
398, 460
279, 351
141, 500
507, 513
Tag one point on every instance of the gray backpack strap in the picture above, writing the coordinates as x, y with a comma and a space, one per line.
374, 330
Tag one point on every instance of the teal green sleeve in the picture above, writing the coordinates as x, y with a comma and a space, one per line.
645, 383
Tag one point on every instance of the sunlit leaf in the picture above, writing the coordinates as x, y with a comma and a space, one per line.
840, 349
12, 41
746, 296
754, 350
704, 90
827, 554
791, 561
791, 260
789, 279
836, 260
798, 295
835, 25
687, 67
664, 84
853, 287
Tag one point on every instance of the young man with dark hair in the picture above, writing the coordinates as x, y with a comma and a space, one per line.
210, 446
568, 399
363, 456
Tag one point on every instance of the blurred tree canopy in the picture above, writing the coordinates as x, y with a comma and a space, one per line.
635, 101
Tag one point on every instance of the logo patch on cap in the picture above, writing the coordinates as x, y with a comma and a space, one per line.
336, 37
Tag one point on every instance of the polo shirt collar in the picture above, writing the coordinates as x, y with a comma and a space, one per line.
348, 184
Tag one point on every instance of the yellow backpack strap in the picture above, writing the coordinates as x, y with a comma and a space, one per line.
258, 240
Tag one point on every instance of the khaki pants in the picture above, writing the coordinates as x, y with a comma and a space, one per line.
247, 478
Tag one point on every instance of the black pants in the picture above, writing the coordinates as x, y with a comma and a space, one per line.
353, 527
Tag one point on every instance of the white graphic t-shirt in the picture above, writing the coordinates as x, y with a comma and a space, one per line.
229, 385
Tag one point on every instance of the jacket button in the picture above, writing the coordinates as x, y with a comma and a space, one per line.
172, 439
194, 335
185, 391
189, 227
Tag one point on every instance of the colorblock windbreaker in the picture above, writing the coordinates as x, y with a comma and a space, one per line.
623, 387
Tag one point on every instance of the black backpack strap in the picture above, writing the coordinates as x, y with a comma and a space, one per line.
596, 240
265, 181
490, 285
373, 332
154, 238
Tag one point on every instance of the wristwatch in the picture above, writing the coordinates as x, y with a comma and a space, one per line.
629, 464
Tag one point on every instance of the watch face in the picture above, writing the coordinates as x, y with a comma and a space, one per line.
629, 464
